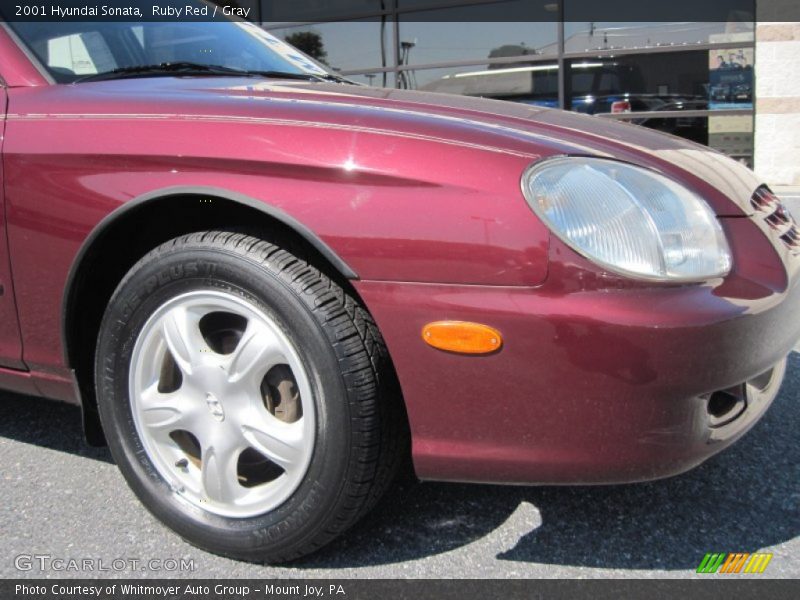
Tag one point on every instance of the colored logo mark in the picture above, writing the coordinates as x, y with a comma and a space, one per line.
734, 562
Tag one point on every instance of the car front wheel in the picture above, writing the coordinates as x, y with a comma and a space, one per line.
246, 397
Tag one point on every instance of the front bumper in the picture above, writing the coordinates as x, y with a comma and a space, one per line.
594, 384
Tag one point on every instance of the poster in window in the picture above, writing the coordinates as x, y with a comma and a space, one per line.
730, 78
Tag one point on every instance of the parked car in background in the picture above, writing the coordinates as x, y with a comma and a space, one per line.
269, 289
692, 128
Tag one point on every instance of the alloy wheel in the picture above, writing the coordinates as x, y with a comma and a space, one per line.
222, 403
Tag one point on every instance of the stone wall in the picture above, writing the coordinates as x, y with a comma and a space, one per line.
777, 121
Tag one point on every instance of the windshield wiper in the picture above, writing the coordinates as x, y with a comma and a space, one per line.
190, 68
163, 68
334, 78
289, 75
308, 76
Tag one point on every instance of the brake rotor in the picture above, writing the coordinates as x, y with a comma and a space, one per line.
281, 397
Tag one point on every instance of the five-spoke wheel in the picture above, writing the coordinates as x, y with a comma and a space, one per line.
247, 397
222, 403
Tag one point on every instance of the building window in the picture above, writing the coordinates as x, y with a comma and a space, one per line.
691, 79
344, 45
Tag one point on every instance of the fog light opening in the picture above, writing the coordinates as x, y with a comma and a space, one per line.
724, 406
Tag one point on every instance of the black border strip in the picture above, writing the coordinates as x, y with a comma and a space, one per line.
710, 587
276, 12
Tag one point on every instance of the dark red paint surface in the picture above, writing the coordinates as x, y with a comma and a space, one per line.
419, 194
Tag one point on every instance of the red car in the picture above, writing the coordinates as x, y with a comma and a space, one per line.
267, 287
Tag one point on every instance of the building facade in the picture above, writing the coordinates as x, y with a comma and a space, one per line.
777, 108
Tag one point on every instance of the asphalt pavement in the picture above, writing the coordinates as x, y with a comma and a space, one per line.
63, 500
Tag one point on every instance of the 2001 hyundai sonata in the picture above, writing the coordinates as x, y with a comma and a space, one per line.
261, 282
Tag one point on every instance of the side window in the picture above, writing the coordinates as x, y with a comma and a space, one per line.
80, 53
582, 82
609, 84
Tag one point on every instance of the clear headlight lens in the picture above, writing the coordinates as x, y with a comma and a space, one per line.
628, 219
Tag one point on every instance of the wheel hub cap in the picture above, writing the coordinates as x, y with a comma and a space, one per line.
222, 403
215, 406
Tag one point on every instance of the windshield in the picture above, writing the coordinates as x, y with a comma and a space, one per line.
72, 52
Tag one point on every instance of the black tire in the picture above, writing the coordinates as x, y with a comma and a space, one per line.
361, 436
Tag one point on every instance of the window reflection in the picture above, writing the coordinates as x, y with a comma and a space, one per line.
432, 42
345, 45
592, 36
385, 79
476, 32
529, 84
692, 128
643, 82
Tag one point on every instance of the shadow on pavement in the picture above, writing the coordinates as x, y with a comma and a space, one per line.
746, 498
46, 423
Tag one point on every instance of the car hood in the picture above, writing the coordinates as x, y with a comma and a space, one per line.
561, 132
493, 124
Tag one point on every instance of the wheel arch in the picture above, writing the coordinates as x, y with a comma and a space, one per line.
138, 226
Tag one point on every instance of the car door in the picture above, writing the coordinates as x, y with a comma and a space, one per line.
10, 342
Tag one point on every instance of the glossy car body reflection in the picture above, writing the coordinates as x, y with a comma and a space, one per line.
416, 199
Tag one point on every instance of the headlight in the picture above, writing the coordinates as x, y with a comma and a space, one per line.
628, 219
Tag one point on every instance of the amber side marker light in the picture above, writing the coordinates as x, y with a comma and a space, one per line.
462, 337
